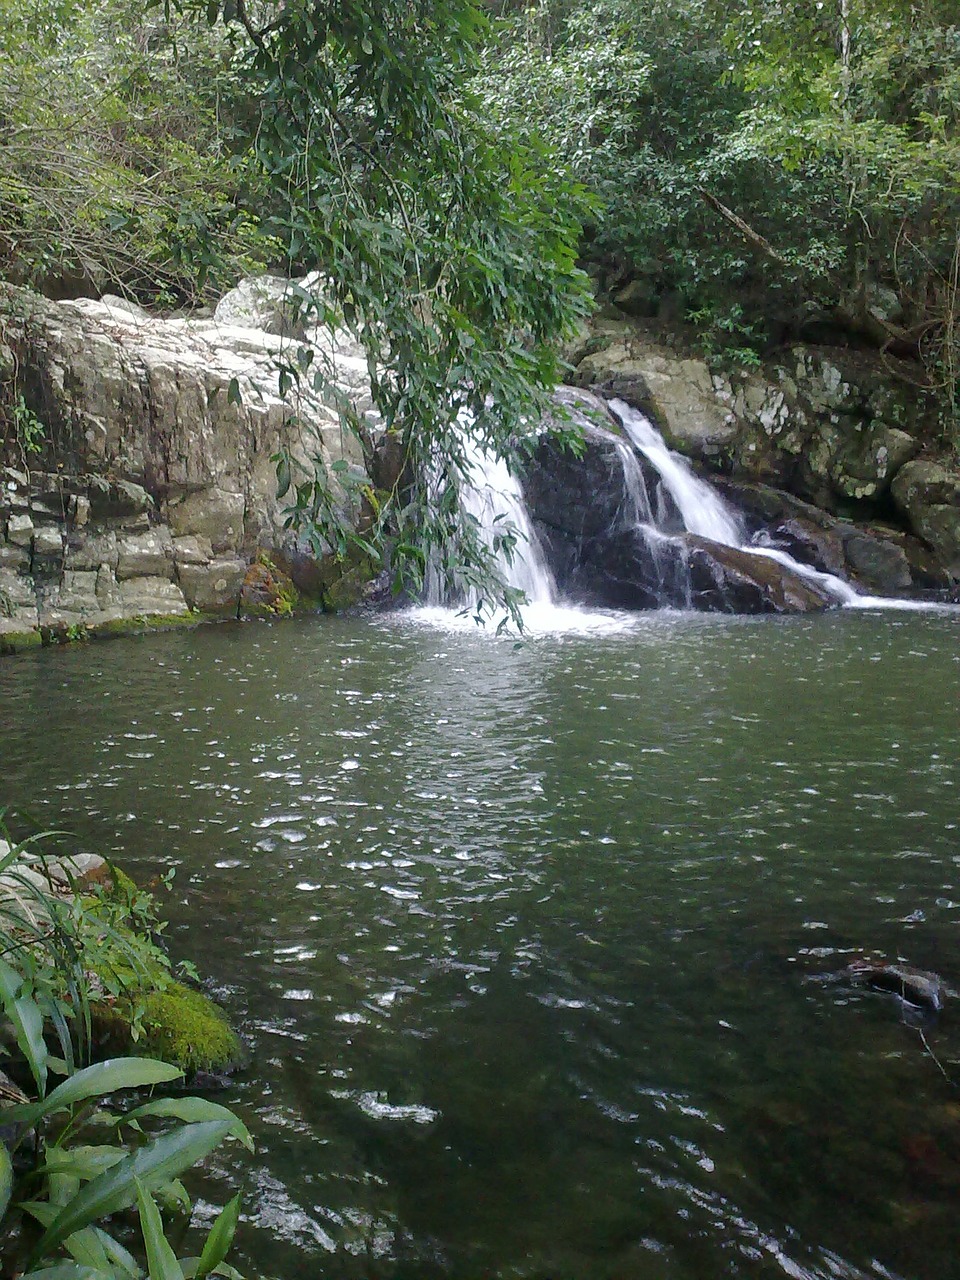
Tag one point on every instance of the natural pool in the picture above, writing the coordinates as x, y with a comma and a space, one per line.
528, 942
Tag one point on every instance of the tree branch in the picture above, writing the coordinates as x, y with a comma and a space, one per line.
755, 238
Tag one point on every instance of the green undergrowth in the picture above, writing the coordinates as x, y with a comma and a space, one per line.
88, 1160
138, 1002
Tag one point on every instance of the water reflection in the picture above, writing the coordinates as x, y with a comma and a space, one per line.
527, 940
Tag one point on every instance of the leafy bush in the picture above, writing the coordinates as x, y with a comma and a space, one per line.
52, 1172
119, 160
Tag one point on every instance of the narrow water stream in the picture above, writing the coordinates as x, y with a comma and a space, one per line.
531, 944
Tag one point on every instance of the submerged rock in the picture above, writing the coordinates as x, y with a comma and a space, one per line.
915, 986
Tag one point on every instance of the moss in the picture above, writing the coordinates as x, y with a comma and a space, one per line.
268, 591
17, 641
352, 584
177, 1024
148, 1012
147, 622
184, 1026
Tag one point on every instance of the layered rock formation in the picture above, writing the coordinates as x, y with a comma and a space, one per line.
840, 440
155, 483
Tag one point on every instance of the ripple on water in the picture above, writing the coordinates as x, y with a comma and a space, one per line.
546, 984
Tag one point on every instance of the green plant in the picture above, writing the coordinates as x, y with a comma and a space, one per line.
70, 1186
52, 1172
29, 429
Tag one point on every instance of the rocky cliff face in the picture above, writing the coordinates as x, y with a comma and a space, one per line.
154, 485
836, 440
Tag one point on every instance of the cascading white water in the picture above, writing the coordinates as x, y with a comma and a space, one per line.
681, 501
704, 511
495, 500
491, 495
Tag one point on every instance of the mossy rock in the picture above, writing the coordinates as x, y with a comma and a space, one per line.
178, 1024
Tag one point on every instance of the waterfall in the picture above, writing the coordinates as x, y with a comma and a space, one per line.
491, 495
633, 547
701, 508
704, 512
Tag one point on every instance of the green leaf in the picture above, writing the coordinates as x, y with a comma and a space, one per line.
220, 1238
224, 1269
193, 1111
121, 1258
94, 1082
6, 1179
233, 392
164, 1158
81, 1162
162, 1262
86, 1247
284, 477
24, 1013
68, 1271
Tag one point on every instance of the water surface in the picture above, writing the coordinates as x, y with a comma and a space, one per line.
531, 944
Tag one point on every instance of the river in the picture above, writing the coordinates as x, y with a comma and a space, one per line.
532, 943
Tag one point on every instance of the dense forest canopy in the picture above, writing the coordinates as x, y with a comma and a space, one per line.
754, 173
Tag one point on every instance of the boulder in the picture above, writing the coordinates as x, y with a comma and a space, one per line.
733, 580
806, 542
143, 597
212, 514
267, 303
631, 568
18, 596
585, 505
215, 586
144, 555
916, 986
928, 495
677, 391
116, 499
159, 456
613, 536
20, 530
879, 559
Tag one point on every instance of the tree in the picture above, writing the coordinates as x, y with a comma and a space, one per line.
870, 91
118, 165
444, 243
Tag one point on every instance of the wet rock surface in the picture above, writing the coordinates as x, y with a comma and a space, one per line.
615, 538
915, 986
843, 433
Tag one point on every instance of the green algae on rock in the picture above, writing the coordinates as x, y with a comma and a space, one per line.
174, 1023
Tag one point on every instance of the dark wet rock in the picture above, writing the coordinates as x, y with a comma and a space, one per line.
806, 542
579, 497
732, 580
614, 538
629, 570
879, 563
584, 513
915, 986
878, 559
928, 495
